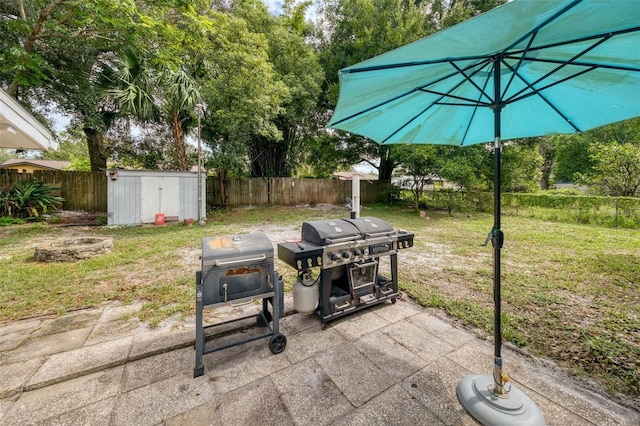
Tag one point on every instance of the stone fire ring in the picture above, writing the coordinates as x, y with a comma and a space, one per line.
73, 249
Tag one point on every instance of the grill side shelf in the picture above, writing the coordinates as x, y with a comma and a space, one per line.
300, 255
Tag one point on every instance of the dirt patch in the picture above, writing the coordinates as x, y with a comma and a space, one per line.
68, 218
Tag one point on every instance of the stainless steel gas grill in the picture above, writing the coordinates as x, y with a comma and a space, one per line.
348, 253
238, 269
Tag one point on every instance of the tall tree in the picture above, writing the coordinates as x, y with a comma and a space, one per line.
244, 95
296, 69
51, 51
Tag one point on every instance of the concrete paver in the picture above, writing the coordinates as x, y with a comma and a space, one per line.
85, 360
406, 411
309, 394
358, 378
390, 356
52, 401
158, 401
15, 375
35, 347
387, 365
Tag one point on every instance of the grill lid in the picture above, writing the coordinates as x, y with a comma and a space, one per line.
218, 251
371, 226
325, 232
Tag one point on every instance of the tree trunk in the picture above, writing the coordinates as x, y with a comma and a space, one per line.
385, 169
268, 158
180, 152
97, 155
222, 182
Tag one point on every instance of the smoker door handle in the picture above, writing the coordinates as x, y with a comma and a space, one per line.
231, 262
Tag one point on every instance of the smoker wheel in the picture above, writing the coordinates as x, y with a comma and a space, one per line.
393, 300
277, 343
260, 319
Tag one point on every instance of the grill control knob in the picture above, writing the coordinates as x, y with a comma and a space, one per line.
334, 257
358, 252
346, 254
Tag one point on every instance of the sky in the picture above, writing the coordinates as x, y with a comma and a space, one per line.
275, 6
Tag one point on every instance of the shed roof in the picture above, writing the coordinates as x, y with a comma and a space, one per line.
15, 163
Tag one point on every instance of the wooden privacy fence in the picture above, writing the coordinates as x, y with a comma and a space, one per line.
86, 191
290, 191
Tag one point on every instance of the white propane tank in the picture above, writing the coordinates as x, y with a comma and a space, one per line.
305, 293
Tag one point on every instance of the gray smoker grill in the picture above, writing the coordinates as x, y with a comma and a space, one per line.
348, 252
238, 269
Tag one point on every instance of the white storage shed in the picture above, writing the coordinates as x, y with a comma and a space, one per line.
136, 196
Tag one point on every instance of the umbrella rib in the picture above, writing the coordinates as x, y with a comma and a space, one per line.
606, 35
466, 131
411, 64
520, 60
442, 96
535, 91
588, 64
468, 78
471, 102
558, 68
395, 98
422, 88
545, 23
374, 107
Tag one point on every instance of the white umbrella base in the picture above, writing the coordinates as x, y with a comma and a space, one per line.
511, 409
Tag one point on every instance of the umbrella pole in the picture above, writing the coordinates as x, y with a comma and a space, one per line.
497, 236
485, 397
497, 239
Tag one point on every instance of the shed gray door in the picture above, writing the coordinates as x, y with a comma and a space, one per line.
160, 195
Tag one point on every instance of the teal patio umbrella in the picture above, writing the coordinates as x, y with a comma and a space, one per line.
527, 68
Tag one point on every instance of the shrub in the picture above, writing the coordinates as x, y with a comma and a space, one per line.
391, 194
28, 200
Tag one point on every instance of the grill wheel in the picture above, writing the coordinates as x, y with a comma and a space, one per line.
277, 343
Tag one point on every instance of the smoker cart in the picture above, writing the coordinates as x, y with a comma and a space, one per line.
237, 269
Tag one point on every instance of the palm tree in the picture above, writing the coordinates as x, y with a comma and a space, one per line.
166, 96
180, 96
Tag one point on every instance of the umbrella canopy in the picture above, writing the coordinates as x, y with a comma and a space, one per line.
528, 68
19, 129
564, 66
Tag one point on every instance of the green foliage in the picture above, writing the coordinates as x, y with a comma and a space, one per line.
616, 169
470, 168
421, 164
29, 199
72, 143
574, 159
7, 220
391, 194
621, 212
449, 199
521, 162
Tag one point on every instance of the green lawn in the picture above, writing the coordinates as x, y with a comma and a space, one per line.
570, 292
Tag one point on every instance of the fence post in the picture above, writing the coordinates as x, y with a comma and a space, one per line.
617, 209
